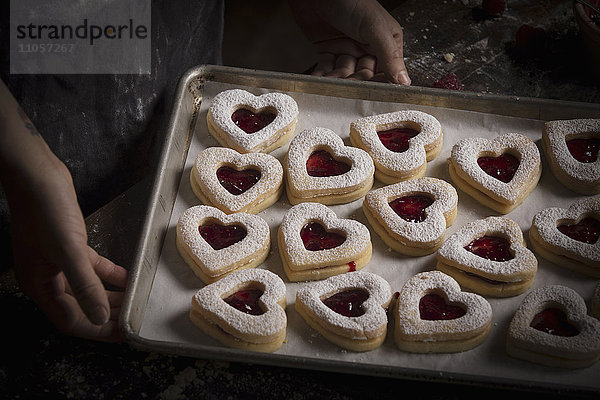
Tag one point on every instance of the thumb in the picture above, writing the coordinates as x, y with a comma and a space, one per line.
387, 45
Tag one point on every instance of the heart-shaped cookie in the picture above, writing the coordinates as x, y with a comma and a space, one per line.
235, 182
412, 216
551, 327
244, 310
489, 257
572, 148
315, 244
499, 173
400, 143
434, 316
569, 237
250, 124
214, 244
320, 168
348, 310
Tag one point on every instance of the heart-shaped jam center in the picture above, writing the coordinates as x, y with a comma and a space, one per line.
553, 321
320, 163
433, 307
584, 150
502, 168
220, 236
587, 230
411, 208
251, 122
246, 300
348, 302
315, 237
491, 247
397, 139
237, 182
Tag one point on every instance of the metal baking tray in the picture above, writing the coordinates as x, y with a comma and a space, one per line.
180, 130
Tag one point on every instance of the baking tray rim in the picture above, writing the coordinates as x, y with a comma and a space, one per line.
189, 90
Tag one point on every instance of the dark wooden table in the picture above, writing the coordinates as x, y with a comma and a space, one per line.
440, 37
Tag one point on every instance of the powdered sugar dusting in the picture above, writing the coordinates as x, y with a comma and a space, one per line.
415, 156
209, 160
522, 267
361, 327
228, 101
434, 225
305, 143
215, 261
274, 320
546, 223
583, 345
358, 238
466, 152
478, 311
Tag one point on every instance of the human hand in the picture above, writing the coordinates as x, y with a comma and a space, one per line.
355, 39
53, 263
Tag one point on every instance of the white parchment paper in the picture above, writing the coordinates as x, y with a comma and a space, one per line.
166, 315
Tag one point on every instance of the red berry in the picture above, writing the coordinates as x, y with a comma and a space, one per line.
494, 8
449, 81
530, 39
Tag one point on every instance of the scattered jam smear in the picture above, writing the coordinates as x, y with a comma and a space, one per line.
587, 230
411, 208
237, 182
397, 139
246, 300
220, 236
449, 81
584, 150
434, 307
553, 321
320, 163
348, 302
251, 122
315, 237
502, 168
493, 248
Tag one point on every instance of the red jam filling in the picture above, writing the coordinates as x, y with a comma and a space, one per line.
320, 163
584, 150
246, 300
348, 303
397, 139
491, 247
251, 122
411, 208
237, 182
587, 230
502, 168
315, 237
221, 236
351, 266
553, 321
433, 307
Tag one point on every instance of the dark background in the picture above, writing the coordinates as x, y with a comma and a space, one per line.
39, 362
